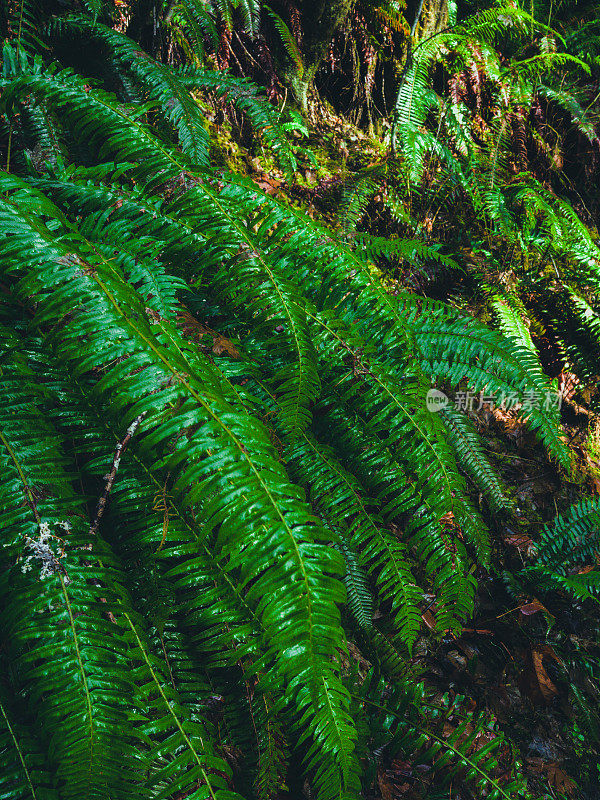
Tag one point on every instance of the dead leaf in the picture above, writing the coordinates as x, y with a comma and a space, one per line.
385, 786
521, 541
547, 687
429, 620
559, 779
532, 608
267, 184
193, 328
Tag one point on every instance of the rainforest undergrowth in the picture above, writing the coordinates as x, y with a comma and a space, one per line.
300, 450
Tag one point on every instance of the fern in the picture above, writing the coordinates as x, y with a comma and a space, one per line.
25, 773
491, 364
193, 25
282, 476
247, 99
567, 544
397, 730
565, 541
472, 458
287, 515
178, 107
288, 40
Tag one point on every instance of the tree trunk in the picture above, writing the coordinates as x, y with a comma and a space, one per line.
433, 18
320, 20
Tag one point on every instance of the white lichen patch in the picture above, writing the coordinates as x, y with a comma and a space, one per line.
47, 551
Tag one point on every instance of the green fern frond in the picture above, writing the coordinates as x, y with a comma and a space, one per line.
572, 106
175, 388
412, 250
512, 323
245, 97
177, 105
571, 538
193, 25
567, 548
489, 363
379, 553
273, 751
288, 40
24, 773
472, 458
356, 195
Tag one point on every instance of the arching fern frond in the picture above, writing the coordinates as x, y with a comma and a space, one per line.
158, 375
176, 103
567, 548
247, 98
472, 458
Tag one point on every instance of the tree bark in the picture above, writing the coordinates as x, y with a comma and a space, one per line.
433, 17
320, 20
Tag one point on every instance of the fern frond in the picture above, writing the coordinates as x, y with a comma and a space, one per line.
567, 548
85, 713
571, 105
24, 773
356, 194
489, 363
177, 105
472, 458
512, 323
410, 249
378, 551
247, 98
273, 751
288, 40
176, 389
571, 538
193, 25
25, 21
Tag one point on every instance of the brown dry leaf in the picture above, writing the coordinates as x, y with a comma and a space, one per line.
547, 687
532, 608
585, 570
267, 184
536, 764
385, 786
567, 385
484, 738
521, 541
223, 345
559, 779
193, 328
429, 620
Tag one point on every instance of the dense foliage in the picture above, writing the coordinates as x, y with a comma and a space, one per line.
232, 514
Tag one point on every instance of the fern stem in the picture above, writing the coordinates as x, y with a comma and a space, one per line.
168, 705
82, 670
119, 450
26, 486
19, 751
